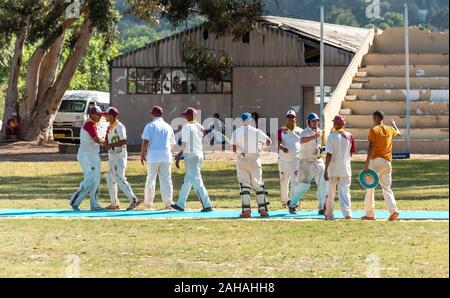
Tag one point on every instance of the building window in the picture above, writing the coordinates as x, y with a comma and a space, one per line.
172, 81
246, 37
328, 90
312, 55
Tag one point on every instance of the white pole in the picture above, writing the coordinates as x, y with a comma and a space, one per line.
322, 65
408, 85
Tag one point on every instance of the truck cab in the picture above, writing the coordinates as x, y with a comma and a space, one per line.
73, 112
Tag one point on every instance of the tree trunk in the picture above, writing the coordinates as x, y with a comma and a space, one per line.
12, 93
49, 66
38, 126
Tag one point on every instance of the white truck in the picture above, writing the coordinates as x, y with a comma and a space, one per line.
73, 112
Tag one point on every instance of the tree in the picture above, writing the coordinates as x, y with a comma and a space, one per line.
50, 29
93, 71
44, 26
342, 17
390, 19
133, 38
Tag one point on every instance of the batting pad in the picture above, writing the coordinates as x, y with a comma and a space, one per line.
218, 214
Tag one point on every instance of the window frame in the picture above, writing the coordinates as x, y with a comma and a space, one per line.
170, 79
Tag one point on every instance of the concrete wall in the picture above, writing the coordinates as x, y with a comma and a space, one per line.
269, 91
421, 41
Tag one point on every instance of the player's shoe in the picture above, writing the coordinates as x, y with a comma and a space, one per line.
209, 209
98, 209
136, 202
246, 214
263, 213
292, 210
348, 217
394, 216
368, 218
113, 207
176, 207
330, 218
75, 208
322, 211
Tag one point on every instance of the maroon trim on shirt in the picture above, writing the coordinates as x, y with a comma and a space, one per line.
349, 137
107, 136
280, 135
353, 149
91, 129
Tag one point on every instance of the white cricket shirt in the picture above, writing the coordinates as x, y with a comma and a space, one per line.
291, 140
161, 139
116, 133
248, 139
308, 151
88, 132
192, 135
340, 145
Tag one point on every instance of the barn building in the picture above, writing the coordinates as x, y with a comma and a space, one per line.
275, 68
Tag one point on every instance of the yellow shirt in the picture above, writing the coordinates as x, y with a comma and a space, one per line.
380, 138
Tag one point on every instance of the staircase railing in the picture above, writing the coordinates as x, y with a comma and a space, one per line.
335, 103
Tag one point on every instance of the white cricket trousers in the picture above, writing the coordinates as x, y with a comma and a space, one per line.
345, 204
164, 171
115, 179
249, 174
288, 177
91, 166
309, 171
193, 179
383, 168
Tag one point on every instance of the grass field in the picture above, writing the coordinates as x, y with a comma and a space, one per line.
215, 248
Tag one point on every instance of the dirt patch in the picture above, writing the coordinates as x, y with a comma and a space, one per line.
34, 152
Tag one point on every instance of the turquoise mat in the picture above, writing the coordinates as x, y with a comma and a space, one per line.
219, 214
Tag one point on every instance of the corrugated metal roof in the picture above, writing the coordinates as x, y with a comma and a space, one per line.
344, 37
279, 42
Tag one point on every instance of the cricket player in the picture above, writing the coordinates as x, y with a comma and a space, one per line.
288, 158
247, 141
156, 150
192, 150
379, 158
89, 158
116, 143
311, 165
338, 169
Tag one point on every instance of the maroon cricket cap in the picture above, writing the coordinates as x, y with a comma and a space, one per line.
112, 111
157, 110
189, 111
95, 111
339, 119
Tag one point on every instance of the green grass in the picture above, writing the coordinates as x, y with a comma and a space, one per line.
418, 185
217, 248
187, 248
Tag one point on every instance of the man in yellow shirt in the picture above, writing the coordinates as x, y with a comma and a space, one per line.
379, 158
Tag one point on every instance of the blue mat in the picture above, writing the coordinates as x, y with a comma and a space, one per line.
219, 214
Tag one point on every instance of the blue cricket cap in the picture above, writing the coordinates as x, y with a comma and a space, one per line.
246, 116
